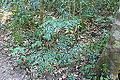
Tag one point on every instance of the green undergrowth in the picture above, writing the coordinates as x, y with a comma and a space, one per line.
47, 33
47, 55
93, 52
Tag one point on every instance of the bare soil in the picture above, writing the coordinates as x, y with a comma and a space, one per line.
7, 65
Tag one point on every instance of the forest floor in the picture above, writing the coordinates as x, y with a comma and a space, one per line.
7, 65
10, 71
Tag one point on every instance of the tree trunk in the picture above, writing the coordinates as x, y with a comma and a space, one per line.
42, 11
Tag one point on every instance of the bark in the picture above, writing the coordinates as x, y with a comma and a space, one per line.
42, 11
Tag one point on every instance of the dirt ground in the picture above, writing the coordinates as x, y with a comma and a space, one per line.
7, 65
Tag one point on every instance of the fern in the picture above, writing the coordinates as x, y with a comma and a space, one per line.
52, 27
52, 41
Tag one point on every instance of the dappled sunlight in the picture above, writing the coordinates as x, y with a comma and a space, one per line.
5, 16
